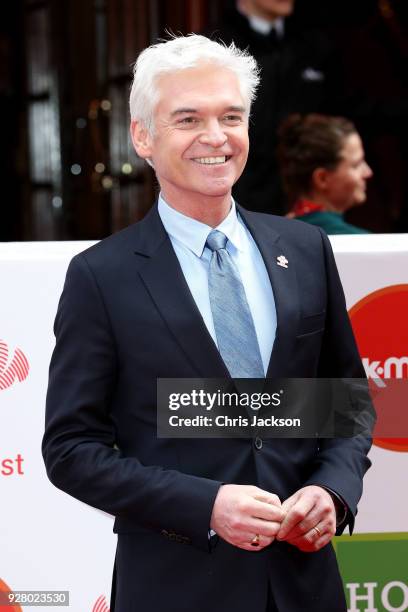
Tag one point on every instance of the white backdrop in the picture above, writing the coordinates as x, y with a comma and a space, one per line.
52, 542
367, 263
49, 541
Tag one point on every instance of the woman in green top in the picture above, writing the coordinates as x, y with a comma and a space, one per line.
323, 169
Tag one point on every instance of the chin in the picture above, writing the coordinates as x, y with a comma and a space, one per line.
360, 200
219, 190
218, 193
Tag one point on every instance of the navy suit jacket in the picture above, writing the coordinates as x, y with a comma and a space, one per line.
126, 317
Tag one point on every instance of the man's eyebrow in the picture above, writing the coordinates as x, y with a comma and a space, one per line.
236, 109
182, 111
185, 110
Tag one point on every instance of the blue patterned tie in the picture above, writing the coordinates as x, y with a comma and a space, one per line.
233, 323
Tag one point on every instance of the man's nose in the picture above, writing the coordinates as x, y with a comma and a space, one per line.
213, 135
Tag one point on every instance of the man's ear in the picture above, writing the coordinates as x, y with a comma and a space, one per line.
141, 139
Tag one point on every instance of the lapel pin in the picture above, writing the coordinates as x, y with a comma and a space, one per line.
282, 261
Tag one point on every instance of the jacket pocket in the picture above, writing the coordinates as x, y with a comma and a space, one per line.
311, 324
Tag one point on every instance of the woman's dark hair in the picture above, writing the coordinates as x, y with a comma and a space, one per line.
307, 142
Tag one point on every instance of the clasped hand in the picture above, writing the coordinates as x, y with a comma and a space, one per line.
306, 520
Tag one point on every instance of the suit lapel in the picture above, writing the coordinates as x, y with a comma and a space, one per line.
165, 282
284, 286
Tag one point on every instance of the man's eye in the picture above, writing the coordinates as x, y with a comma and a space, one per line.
188, 120
233, 118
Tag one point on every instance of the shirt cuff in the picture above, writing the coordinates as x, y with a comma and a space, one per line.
339, 505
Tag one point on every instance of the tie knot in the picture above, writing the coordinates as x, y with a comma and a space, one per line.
216, 240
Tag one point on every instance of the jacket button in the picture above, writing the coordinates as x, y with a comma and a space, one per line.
258, 443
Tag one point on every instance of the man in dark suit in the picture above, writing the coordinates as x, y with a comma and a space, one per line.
202, 288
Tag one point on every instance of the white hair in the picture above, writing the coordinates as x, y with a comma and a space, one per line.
181, 53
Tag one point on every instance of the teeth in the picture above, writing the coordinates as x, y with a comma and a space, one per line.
210, 160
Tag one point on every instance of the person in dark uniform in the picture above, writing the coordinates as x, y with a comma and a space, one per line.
297, 75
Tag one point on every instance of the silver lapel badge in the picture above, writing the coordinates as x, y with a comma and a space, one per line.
282, 261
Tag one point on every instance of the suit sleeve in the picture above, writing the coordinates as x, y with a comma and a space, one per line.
342, 461
79, 442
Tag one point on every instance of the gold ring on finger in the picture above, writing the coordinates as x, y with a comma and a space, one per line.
255, 540
317, 530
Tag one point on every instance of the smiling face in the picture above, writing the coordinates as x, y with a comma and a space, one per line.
200, 142
346, 185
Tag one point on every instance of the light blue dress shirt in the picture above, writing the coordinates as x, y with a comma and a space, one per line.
188, 237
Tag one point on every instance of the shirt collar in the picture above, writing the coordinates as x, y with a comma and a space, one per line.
192, 233
263, 26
